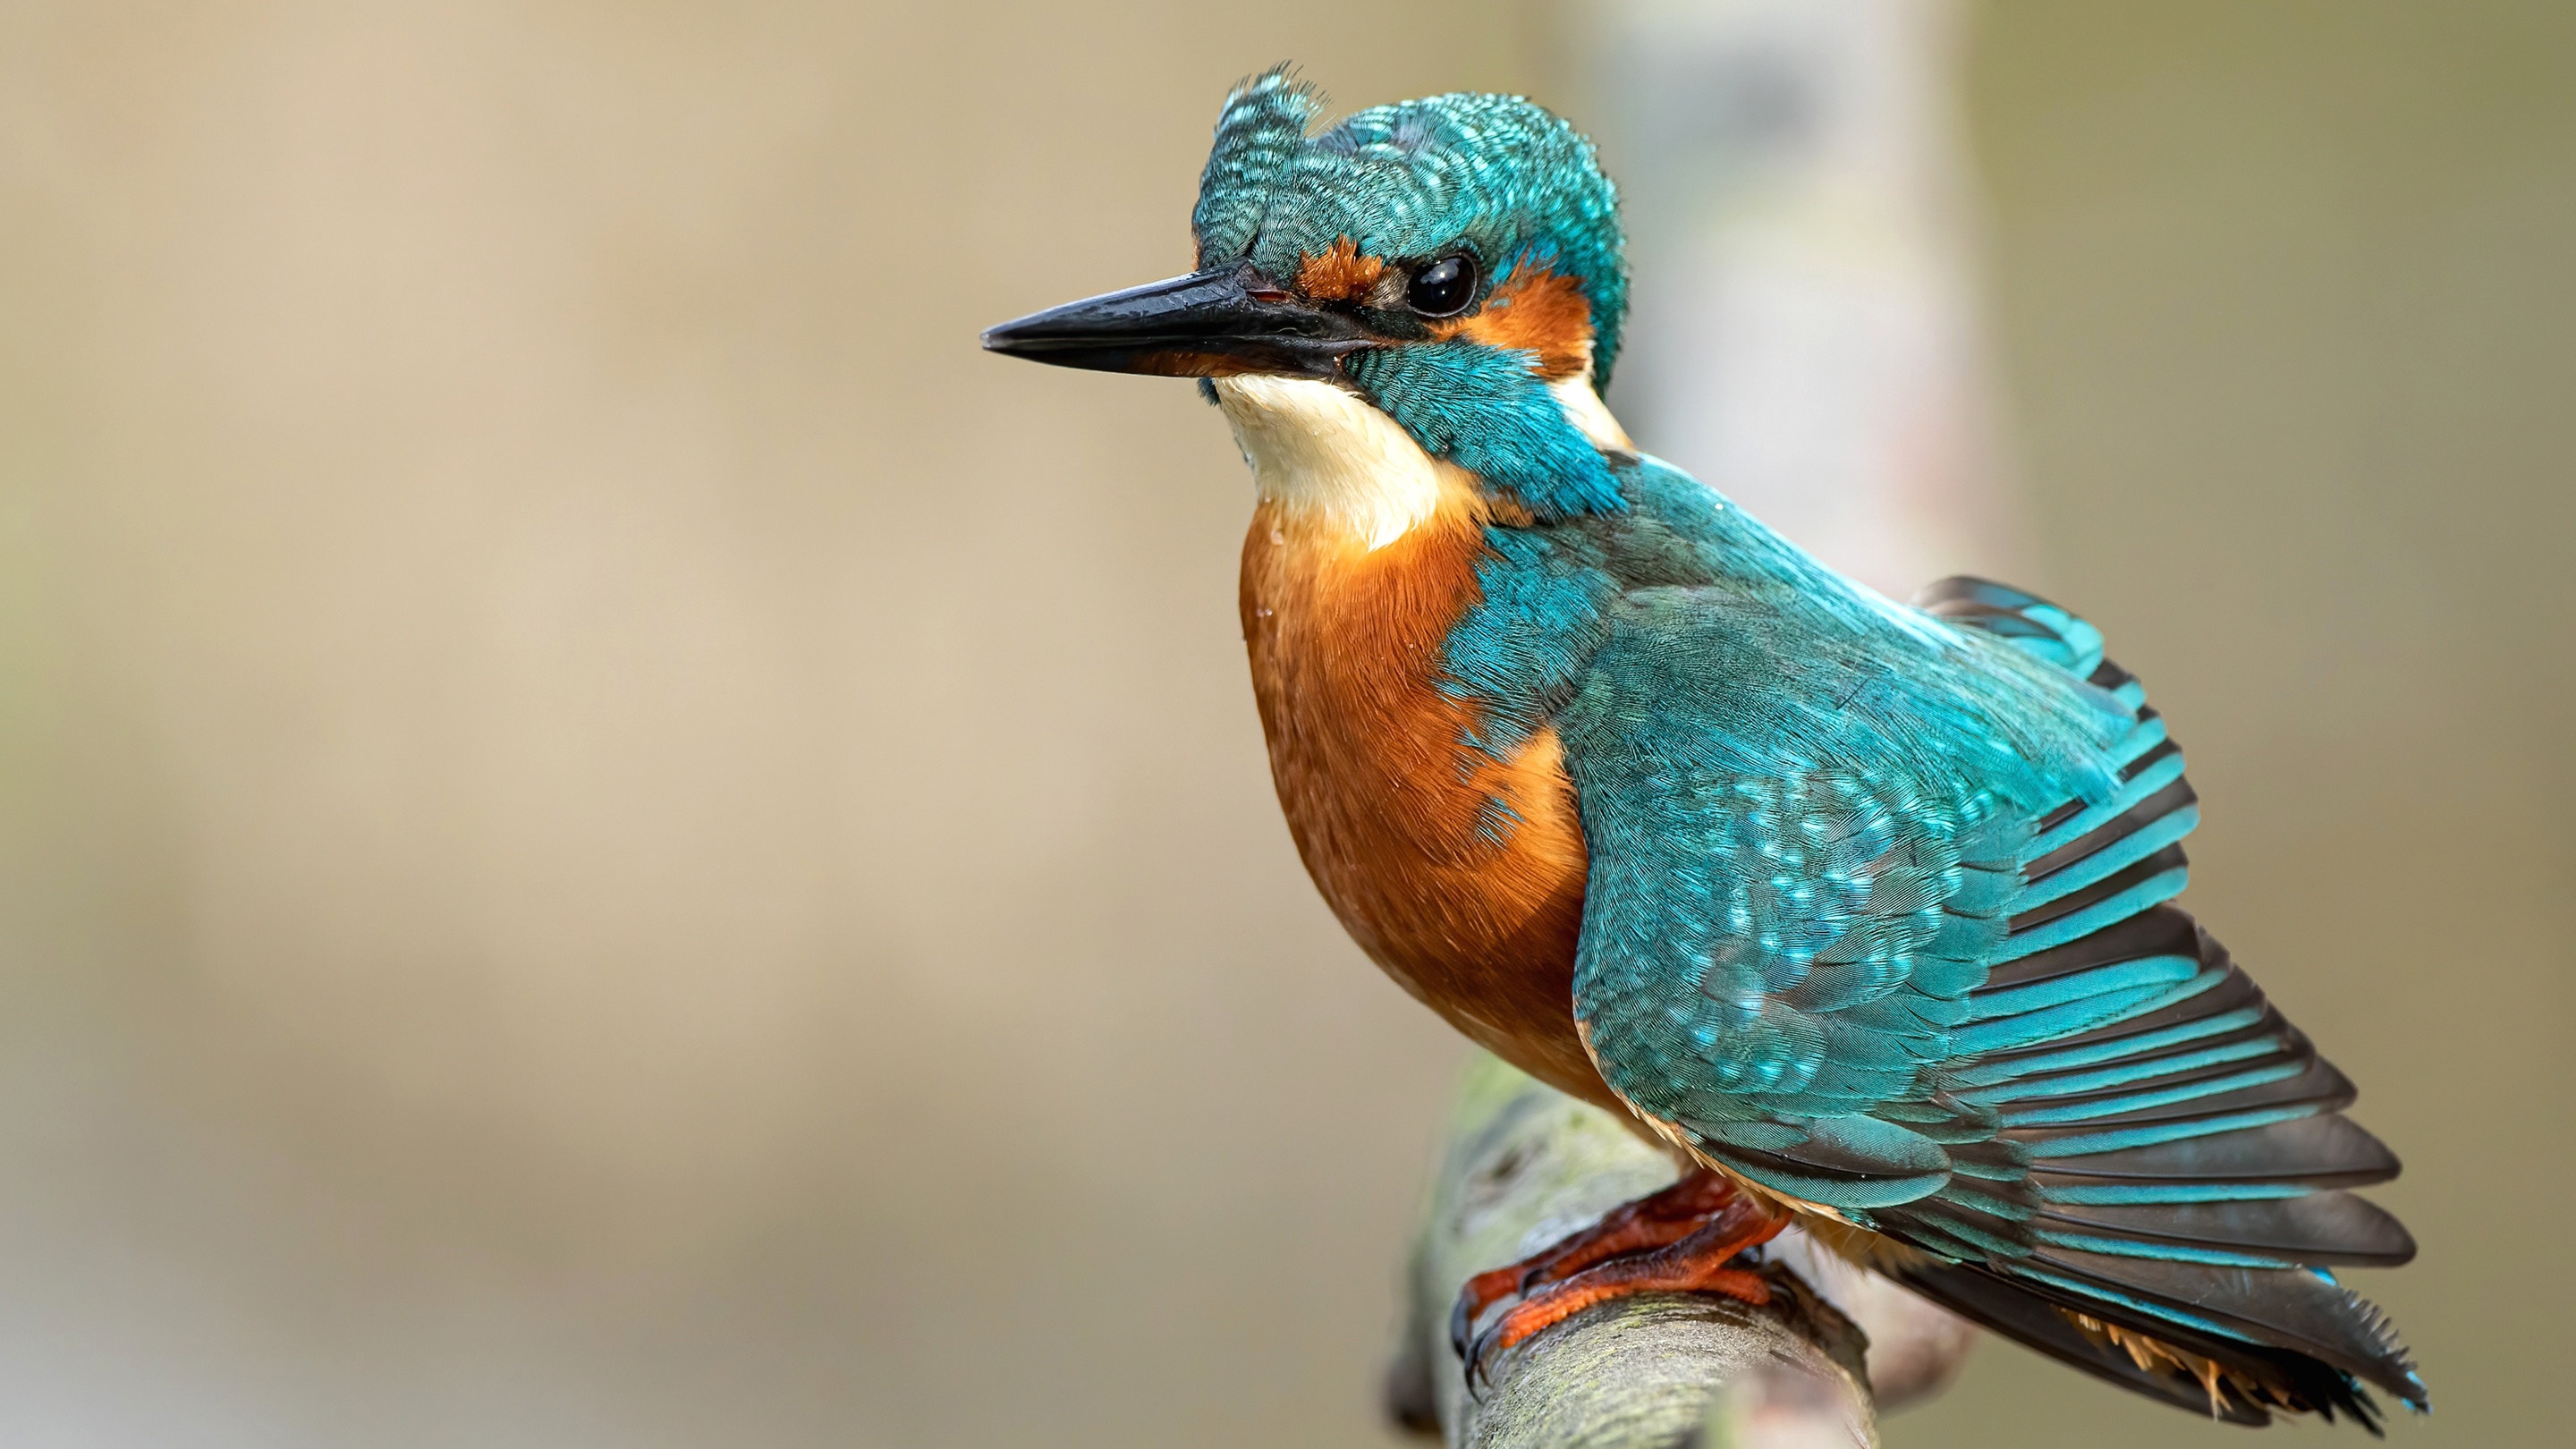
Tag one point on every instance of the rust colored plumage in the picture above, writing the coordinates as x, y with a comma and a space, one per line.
1533, 310
1462, 876
1341, 274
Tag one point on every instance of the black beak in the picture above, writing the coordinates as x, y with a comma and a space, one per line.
1214, 323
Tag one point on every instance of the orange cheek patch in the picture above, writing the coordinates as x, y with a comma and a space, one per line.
1534, 311
1341, 274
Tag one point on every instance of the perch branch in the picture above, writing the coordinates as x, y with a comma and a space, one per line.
1523, 1166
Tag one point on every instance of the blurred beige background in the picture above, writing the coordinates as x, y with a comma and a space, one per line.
608, 836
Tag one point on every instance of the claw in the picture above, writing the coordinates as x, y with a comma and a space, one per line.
1682, 1239
1653, 1221
1479, 1358
1482, 1292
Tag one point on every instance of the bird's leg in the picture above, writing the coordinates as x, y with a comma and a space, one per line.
1681, 1239
1653, 1221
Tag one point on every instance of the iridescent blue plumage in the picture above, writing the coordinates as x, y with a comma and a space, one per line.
1876, 919
1409, 180
1875, 913
1876, 900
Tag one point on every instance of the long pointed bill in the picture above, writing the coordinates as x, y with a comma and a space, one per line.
1208, 324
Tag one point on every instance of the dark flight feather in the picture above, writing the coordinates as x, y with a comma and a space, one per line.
1972, 1020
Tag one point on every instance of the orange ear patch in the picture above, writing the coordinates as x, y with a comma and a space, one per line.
1534, 311
1341, 274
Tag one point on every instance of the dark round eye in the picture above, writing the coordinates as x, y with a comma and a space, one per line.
1444, 288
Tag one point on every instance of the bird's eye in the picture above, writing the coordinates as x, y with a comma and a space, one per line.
1443, 288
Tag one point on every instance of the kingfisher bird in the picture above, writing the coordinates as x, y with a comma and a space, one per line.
1864, 911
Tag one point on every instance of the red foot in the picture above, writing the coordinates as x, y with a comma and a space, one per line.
1678, 1240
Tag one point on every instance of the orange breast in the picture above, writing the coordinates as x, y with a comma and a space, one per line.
1460, 874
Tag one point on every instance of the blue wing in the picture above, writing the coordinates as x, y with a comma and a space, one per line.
1910, 955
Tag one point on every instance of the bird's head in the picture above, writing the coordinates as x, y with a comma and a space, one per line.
1453, 263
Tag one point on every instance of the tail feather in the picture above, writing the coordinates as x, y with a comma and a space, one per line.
2033, 1322
2227, 1378
2297, 1313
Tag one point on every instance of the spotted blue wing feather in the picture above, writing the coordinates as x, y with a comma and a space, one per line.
1880, 916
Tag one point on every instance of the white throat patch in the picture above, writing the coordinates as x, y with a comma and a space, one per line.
1320, 448
1316, 447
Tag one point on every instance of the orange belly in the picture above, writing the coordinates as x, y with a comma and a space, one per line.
1460, 874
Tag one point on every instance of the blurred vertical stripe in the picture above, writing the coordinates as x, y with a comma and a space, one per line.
1810, 334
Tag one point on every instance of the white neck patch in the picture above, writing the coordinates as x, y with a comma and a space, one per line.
1589, 414
1314, 447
